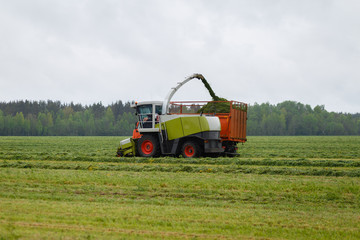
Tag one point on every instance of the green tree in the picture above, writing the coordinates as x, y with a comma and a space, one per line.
107, 122
274, 124
2, 122
39, 128
47, 123
27, 127
334, 128
18, 124
8, 125
310, 125
349, 124
254, 120
89, 120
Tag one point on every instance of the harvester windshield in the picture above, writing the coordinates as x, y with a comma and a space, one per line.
148, 114
145, 115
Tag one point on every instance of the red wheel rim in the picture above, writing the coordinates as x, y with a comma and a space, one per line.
189, 151
147, 147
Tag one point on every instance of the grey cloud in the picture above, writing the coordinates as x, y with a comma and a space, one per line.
252, 51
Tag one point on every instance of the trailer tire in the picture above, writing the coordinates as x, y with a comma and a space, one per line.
230, 149
190, 149
148, 146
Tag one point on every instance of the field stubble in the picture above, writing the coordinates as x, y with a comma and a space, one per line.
279, 187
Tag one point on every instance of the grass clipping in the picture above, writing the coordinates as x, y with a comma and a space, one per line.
213, 107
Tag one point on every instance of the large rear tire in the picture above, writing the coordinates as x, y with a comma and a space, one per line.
190, 149
148, 146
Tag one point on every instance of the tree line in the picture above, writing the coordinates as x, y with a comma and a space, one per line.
53, 118
293, 119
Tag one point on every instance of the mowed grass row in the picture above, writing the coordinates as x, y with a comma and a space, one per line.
269, 153
349, 171
279, 188
104, 148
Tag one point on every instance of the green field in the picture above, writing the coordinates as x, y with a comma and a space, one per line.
278, 188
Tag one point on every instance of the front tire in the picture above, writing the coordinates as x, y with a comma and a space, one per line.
190, 149
148, 146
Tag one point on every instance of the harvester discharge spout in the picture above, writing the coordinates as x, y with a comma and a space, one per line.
165, 108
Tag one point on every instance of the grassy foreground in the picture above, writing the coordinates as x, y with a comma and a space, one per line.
279, 188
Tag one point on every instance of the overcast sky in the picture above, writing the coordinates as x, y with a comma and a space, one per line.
251, 51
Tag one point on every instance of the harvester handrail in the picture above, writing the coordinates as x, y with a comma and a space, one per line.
195, 101
199, 104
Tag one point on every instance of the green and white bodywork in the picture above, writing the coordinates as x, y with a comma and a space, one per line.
178, 126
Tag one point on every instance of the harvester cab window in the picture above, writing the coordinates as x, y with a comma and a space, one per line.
158, 110
145, 115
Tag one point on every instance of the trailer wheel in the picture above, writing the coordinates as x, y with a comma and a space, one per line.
148, 146
230, 149
190, 149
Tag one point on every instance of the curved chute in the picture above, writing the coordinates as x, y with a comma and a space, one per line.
165, 107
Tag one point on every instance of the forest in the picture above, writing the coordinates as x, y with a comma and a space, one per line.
53, 118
